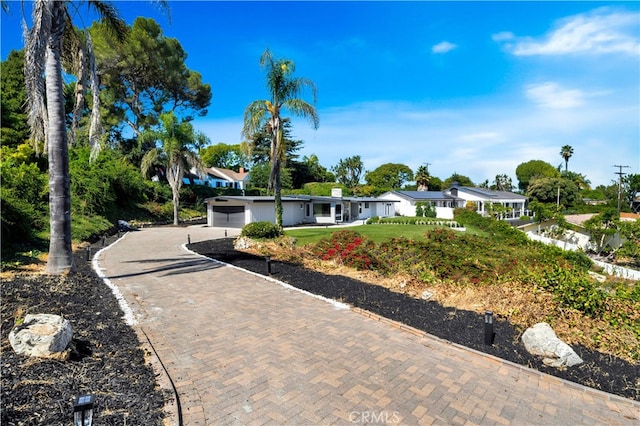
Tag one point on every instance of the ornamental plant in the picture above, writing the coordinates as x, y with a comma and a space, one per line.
348, 248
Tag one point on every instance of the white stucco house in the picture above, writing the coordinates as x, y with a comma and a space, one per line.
217, 177
238, 211
406, 201
457, 197
484, 199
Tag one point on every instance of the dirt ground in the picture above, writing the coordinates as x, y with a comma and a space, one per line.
106, 359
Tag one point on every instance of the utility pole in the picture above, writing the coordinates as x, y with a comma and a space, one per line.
620, 174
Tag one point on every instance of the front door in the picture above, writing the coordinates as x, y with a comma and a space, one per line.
338, 212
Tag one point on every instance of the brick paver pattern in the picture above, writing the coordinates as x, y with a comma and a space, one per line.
244, 350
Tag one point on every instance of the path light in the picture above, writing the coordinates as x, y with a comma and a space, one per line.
225, 233
88, 253
268, 260
488, 328
188, 238
83, 410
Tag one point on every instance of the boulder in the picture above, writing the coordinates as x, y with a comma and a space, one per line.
541, 340
41, 335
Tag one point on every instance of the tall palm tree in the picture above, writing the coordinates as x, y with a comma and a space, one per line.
48, 43
284, 90
176, 147
566, 152
423, 178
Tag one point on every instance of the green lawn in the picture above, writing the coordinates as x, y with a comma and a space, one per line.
377, 233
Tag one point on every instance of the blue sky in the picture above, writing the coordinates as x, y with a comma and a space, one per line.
475, 88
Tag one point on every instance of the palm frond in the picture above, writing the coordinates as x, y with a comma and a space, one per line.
303, 109
254, 117
115, 25
34, 60
150, 158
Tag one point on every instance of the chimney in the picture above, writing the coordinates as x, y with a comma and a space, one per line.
241, 170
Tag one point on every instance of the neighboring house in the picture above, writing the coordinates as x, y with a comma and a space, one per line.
237, 211
406, 201
217, 177
457, 197
484, 199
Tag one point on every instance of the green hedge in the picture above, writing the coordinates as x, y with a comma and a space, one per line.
261, 230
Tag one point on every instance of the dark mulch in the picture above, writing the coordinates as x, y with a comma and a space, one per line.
108, 361
599, 371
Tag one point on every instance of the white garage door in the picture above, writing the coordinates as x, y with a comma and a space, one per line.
228, 216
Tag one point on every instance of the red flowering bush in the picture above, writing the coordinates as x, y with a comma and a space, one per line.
348, 248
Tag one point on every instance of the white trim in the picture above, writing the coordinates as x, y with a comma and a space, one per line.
129, 317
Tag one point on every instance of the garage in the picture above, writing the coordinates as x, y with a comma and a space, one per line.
228, 216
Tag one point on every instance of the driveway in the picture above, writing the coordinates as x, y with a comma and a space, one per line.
243, 349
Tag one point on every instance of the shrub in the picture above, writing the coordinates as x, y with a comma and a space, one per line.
575, 290
350, 249
261, 230
23, 199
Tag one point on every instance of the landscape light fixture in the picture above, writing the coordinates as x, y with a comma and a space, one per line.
488, 328
268, 260
188, 238
83, 410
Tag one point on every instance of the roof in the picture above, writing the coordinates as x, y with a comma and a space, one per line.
226, 174
424, 195
294, 198
629, 217
578, 219
489, 194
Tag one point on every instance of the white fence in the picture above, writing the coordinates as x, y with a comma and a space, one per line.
610, 269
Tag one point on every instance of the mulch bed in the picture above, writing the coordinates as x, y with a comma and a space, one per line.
599, 371
108, 361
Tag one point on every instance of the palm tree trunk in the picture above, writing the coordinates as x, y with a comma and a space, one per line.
174, 176
275, 172
60, 251
278, 196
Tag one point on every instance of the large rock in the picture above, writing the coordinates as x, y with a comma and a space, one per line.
41, 335
542, 340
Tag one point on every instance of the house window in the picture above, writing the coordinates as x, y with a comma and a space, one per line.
360, 208
366, 205
322, 210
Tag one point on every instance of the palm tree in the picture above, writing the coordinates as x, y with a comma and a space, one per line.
566, 152
423, 178
51, 41
284, 90
177, 144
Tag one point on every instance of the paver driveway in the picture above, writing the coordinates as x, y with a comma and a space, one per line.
241, 349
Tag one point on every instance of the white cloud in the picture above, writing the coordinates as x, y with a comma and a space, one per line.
482, 136
551, 95
443, 47
503, 36
600, 31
